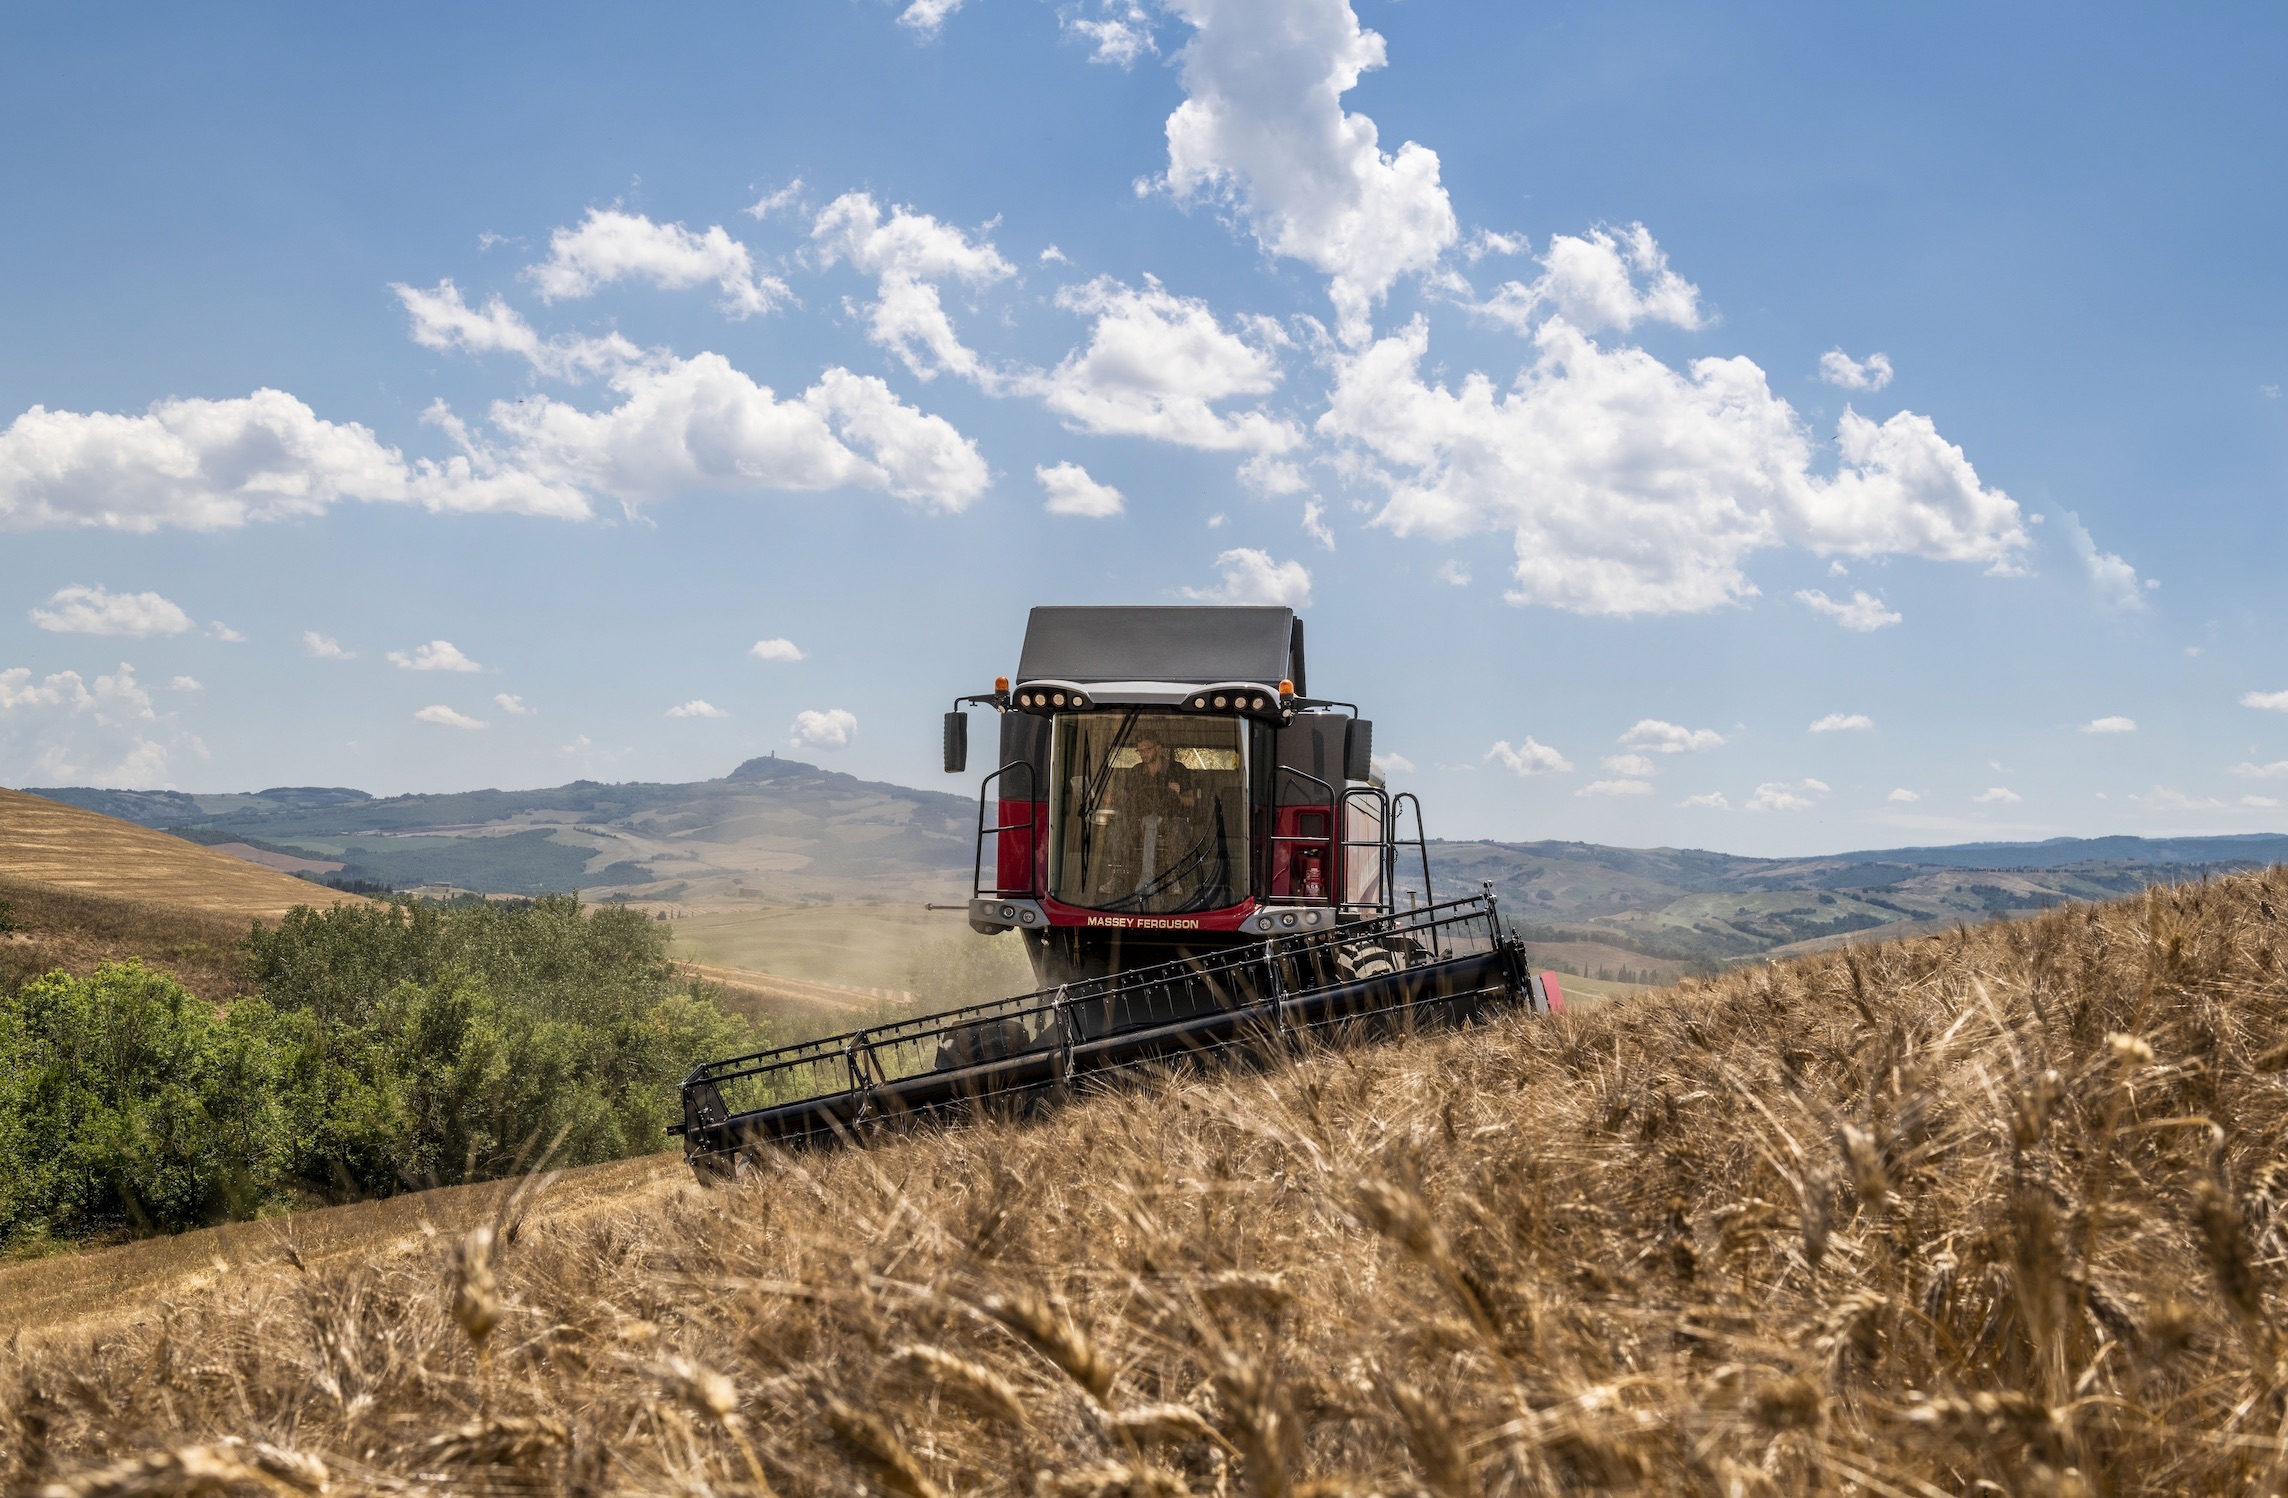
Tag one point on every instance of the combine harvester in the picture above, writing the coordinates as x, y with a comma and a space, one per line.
1197, 855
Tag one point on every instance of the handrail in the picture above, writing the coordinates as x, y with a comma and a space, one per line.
1273, 837
1381, 845
1421, 843
977, 867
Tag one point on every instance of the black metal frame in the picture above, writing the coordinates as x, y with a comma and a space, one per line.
1421, 845
1445, 962
977, 870
1272, 838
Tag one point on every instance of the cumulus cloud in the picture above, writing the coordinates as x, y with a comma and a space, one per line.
2277, 770
1156, 364
1654, 736
1774, 795
320, 647
1711, 801
1615, 788
1529, 758
2261, 803
2114, 580
775, 649
927, 16
908, 256
62, 730
445, 717
211, 465
1839, 368
1262, 129
1862, 611
1073, 492
697, 707
1632, 765
1999, 795
1844, 723
1119, 34
1393, 764
80, 610
700, 424
513, 705
2110, 725
1599, 282
187, 684
217, 630
1629, 487
832, 729
609, 246
443, 320
1250, 576
1904, 796
2276, 702
437, 655
771, 203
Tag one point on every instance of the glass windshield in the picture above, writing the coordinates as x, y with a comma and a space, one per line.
1151, 812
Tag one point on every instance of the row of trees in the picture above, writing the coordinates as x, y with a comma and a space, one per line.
387, 1048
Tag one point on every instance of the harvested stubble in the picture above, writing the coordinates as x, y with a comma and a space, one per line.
2002, 1207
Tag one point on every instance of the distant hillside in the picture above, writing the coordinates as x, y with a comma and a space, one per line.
785, 832
776, 828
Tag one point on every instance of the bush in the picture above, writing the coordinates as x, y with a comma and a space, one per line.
390, 1048
7, 918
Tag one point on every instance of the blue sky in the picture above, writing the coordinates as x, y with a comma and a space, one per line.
374, 378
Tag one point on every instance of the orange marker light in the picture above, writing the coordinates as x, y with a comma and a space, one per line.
1000, 683
1286, 688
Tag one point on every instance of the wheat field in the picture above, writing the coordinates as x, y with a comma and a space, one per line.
1998, 1211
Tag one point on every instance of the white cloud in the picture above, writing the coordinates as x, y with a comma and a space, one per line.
1629, 487
445, 717
1054, 256
1904, 796
1250, 576
2000, 795
2261, 803
926, 16
513, 705
1615, 788
697, 707
776, 649
1453, 573
2114, 580
437, 655
1530, 758
2162, 798
2277, 770
81, 610
1073, 492
61, 731
1263, 129
1844, 723
443, 320
216, 465
832, 729
1393, 764
320, 647
771, 203
1120, 34
1775, 795
1839, 368
909, 255
1657, 737
609, 246
1634, 765
1592, 283
1156, 364
2110, 725
217, 630
2276, 702
1712, 801
187, 684
699, 424
1862, 612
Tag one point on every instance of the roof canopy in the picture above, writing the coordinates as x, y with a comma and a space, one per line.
1176, 644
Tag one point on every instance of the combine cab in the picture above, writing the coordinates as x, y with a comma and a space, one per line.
1197, 855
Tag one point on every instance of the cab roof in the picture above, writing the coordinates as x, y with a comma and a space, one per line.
1189, 644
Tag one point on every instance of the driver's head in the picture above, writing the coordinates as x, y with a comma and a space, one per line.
1149, 748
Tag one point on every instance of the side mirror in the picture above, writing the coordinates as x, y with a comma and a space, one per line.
956, 742
1358, 751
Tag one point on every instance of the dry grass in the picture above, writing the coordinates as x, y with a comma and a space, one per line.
1998, 1211
88, 889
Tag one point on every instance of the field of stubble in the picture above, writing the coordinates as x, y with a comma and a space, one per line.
1998, 1211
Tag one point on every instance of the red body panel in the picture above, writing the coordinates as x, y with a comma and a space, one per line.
1304, 856
1021, 859
1227, 919
1555, 994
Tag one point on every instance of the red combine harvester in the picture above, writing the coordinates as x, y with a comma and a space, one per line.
1197, 855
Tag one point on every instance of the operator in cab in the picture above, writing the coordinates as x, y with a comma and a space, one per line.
1158, 786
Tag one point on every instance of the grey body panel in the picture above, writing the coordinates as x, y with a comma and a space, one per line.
1197, 644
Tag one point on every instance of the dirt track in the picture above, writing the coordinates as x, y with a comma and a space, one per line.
142, 1277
